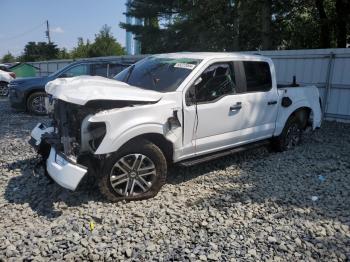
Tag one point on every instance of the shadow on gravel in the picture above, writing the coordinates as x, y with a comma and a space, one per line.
290, 180
42, 195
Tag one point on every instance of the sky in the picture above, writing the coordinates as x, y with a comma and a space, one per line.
22, 21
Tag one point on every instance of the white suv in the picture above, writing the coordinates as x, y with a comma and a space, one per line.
6, 77
180, 108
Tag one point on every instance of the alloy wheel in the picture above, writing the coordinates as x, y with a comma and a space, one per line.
132, 175
293, 136
38, 104
4, 89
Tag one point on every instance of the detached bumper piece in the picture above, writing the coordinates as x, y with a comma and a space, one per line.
65, 173
36, 134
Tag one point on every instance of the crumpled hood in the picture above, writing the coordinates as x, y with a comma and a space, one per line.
81, 89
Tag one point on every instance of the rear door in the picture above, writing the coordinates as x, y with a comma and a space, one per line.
260, 99
99, 69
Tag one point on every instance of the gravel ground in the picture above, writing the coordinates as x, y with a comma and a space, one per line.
252, 206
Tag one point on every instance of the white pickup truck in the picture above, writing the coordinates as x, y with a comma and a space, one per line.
182, 108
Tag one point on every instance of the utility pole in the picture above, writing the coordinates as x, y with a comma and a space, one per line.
48, 31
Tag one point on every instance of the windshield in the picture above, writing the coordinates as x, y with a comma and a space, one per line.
159, 74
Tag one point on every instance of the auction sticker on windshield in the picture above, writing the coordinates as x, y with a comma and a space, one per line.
184, 65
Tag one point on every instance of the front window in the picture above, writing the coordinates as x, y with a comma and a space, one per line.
76, 71
217, 81
159, 74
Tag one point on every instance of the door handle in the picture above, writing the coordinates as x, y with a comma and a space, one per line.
237, 106
272, 103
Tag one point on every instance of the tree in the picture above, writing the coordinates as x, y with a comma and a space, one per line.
63, 54
105, 44
82, 49
266, 14
39, 51
325, 40
230, 25
8, 58
342, 22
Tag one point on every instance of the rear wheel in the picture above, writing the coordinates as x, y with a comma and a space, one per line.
136, 172
36, 103
4, 89
290, 136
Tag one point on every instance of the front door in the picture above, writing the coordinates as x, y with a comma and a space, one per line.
213, 110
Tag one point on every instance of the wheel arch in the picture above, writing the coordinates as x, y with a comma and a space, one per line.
159, 140
153, 133
303, 112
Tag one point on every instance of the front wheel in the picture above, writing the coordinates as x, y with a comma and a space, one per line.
36, 103
290, 136
136, 172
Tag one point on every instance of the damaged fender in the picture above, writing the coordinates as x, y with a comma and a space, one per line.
122, 125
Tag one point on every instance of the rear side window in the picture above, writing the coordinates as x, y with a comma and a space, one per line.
258, 76
99, 70
115, 69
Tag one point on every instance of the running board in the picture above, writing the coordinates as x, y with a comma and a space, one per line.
213, 156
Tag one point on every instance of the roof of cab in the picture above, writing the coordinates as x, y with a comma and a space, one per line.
210, 55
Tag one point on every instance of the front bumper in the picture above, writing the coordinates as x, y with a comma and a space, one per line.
66, 174
63, 170
17, 99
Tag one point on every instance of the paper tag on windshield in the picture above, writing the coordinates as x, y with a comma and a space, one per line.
184, 65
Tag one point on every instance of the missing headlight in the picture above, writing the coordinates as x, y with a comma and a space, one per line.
97, 131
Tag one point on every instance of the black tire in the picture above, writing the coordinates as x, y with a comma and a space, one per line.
36, 103
290, 137
136, 150
4, 89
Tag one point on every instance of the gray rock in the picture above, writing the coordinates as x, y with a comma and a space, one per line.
128, 252
271, 239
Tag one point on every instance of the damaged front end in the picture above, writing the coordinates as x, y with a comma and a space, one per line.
68, 145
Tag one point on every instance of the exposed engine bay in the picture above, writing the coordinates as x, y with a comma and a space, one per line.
74, 135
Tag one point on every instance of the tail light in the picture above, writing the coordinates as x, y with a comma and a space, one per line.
13, 74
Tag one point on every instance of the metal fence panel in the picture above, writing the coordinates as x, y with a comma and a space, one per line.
48, 67
311, 67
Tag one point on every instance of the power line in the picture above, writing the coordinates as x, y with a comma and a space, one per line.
24, 33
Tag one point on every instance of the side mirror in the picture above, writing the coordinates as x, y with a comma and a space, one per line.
63, 75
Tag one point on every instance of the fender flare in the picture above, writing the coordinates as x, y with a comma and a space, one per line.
285, 114
113, 144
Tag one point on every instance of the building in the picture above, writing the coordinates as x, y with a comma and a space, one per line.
133, 47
